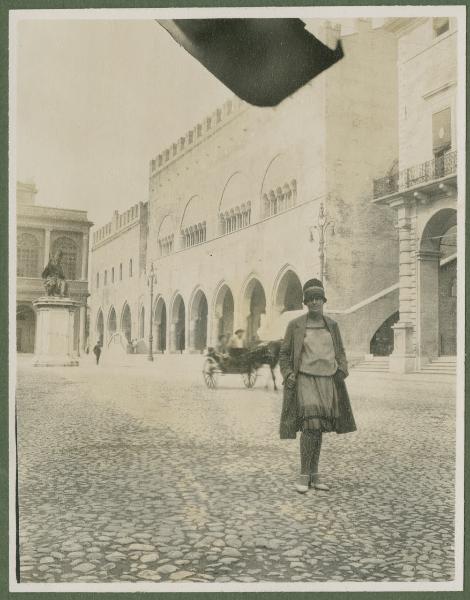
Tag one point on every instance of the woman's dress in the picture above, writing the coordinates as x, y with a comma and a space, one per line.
316, 391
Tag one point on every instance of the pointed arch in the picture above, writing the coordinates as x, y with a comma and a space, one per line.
223, 311
253, 304
160, 324
224, 189
99, 326
198, 313
126, 321
111, 322
287, 291
178, 324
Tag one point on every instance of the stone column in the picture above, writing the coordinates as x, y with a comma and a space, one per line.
428, 306
171, 344
47, 247
187, 326
191, 340
82, 340
403, 358
214, 331
85, 241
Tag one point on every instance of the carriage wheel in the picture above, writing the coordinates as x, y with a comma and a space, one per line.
209, 372
249, 378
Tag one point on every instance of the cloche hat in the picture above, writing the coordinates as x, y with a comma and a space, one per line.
314, 288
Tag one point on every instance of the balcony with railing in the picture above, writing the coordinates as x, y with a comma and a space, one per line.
431, 170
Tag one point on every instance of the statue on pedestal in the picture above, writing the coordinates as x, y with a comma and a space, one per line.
54, 277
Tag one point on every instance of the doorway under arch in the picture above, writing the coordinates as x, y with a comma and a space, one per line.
448, 293
224, 312
289, 293
25, 328
159, 323
178, 327
142, 323
198, 330
126, 323
112, 323
100, 327
437, 300
382, 342
255, 306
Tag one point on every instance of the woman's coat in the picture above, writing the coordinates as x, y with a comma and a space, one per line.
289, 362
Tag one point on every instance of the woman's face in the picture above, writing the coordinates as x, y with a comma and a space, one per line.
315, 305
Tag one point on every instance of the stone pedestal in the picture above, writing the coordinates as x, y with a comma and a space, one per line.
403, 358
55, 332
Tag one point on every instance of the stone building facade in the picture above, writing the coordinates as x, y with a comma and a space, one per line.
42, 231
232, 222
118, 278
423, 191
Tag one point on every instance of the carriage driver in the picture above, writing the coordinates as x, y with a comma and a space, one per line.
236, 343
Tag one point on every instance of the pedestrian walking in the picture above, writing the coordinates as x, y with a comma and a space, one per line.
97, 352
313, 364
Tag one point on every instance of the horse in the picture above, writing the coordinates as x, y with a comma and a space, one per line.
266, 353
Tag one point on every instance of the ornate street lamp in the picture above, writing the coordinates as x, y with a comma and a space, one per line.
322, 227
151, 279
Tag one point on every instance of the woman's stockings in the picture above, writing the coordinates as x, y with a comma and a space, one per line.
310, 446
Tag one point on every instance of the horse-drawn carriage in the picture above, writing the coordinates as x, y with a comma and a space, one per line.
244, 362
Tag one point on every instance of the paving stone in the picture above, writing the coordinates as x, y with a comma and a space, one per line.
71, 547
115, 556
144, 489
150, 557
193, 555
233, 552
149, 575
125, 540
166, 569
180, 575
43, 568
142, 547
84, 567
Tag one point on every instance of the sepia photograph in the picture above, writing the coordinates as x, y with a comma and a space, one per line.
237, 243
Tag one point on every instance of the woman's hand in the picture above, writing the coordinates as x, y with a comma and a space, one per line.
290, 380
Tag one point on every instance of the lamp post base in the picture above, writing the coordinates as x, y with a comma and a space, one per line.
150, 354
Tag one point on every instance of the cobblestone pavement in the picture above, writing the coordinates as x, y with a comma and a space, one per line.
131, 475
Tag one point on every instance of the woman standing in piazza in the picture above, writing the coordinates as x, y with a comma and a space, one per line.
313, 364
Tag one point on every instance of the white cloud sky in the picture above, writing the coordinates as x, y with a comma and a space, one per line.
96, 100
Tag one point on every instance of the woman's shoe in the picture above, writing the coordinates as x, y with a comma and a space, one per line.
316, 482
302, 484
